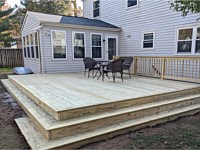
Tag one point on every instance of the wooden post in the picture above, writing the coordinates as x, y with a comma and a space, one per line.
135, 65
163, 68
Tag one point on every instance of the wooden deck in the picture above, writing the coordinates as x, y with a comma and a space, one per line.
70, 110
62, 92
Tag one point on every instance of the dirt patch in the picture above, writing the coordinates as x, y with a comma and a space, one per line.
10, 136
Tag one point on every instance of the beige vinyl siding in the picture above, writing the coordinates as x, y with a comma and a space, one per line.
69, 65
29, 27
149, 15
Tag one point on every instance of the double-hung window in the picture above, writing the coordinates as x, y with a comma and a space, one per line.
131, 3
185, 40
79, 45
188, 40
36, 45
24, 46
197, 46
96, 42
32, 46
59, 44
28, 46
148, 40
96, 8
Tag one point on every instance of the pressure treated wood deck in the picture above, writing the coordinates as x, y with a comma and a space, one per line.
72, 90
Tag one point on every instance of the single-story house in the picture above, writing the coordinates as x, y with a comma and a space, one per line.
53, 43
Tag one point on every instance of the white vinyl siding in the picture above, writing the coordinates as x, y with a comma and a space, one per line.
59, 46
96, 45
79, 49
30, 25
144, 17
188, 40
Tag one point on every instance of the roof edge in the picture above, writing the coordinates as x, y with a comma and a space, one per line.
80, 26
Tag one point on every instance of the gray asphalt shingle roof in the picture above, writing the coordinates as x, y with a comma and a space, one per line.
71, 20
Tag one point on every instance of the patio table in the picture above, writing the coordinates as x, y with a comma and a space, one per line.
102, 64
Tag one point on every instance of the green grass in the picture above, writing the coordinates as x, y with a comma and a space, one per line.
6, 68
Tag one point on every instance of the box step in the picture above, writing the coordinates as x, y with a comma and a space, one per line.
52, 128
37, 141
95, 108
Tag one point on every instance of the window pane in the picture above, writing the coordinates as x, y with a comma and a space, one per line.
28, 51
185, 34
148, 36
36, 38
79, 52
96, 52
184, 46
197, 47
37, 51
96, 4
132, 3
59, 44
24, 52
59, 51
32, 52
24, 41
79, 39
27, 40
31, 39
96, 13
198, 33
148, 44
96, 40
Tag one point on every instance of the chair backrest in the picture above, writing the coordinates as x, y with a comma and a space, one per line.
89, 62
116, 66
127, 61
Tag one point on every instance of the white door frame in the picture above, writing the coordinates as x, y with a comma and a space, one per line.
106, 48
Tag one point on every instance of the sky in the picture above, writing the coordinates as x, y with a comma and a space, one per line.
13, 2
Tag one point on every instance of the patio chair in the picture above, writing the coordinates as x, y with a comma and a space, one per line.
91, 65
127, 64
114, 67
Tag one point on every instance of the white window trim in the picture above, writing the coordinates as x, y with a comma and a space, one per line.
73, 32
28, 46
93, 9
97, 46
32, 45
142, 40
36, 45
24, 46
58, 59
127, 8
194, 27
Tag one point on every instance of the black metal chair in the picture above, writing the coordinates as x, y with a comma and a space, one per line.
91, 65
127, 64
114, 67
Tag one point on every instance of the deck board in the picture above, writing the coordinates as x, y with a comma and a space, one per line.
73, 90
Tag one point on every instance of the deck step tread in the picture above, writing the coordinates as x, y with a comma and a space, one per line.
38, 141
49, 123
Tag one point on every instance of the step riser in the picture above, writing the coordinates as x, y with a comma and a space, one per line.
92, 125
104, 107
126, 130
33, 119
